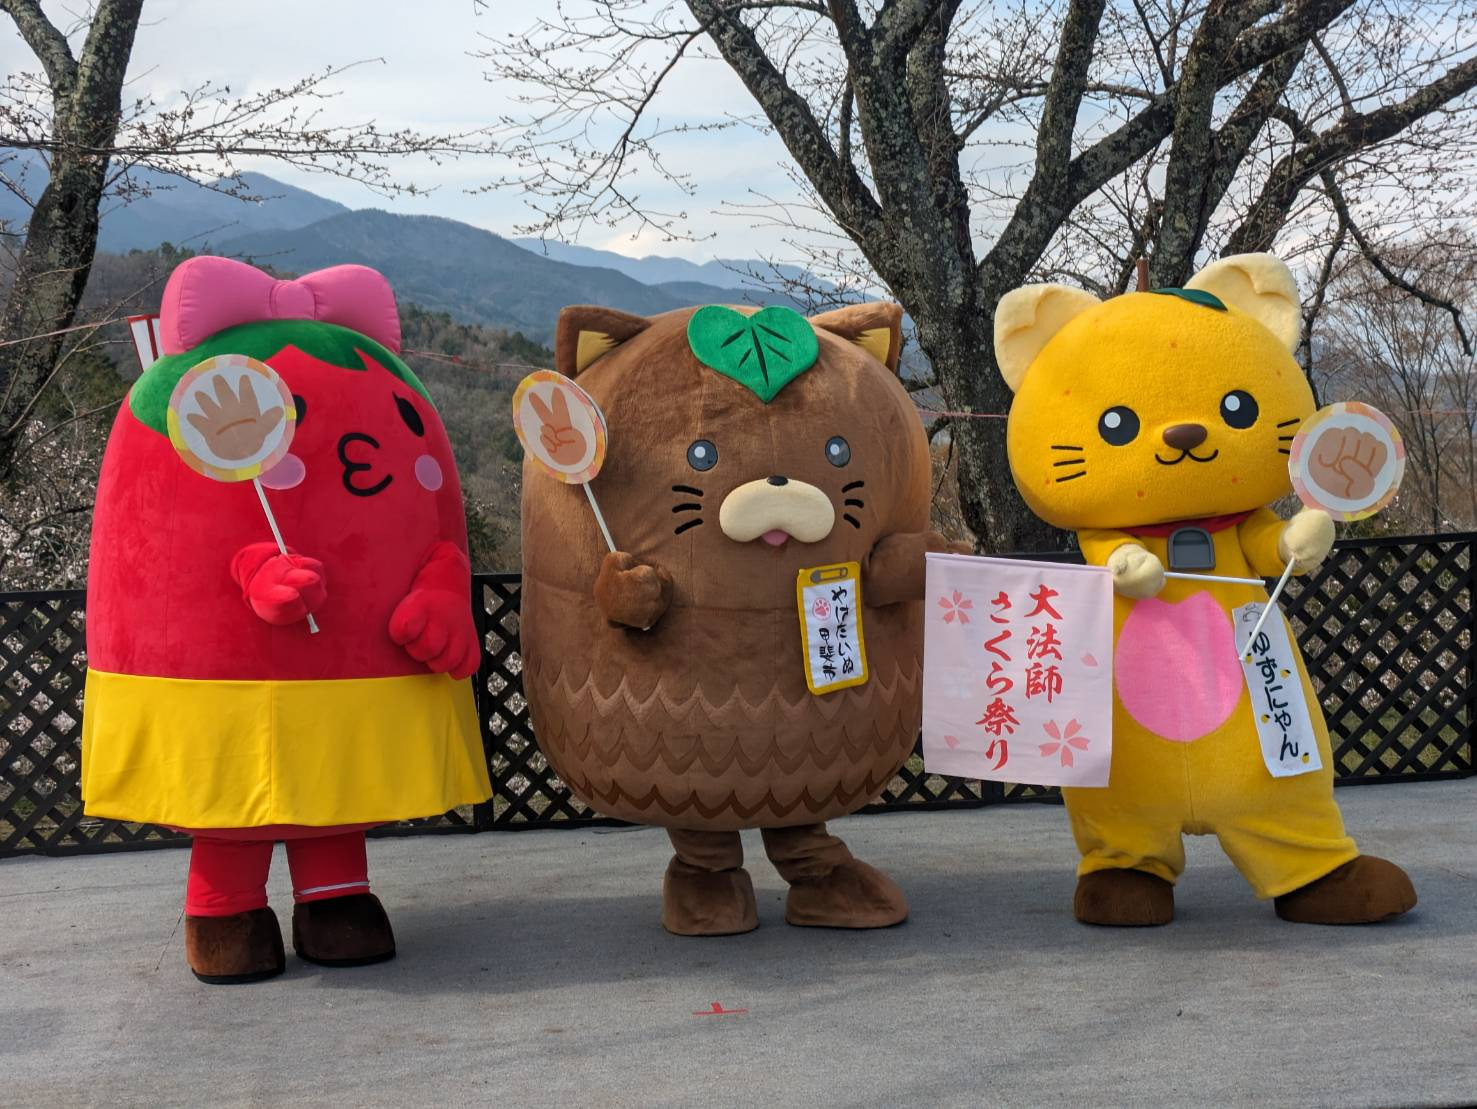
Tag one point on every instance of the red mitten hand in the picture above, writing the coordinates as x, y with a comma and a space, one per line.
280, 588
435, 627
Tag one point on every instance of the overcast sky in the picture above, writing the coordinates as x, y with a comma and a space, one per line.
430, 81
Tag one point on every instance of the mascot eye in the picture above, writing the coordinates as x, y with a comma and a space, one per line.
300, 407
411, 417
1118, 425
702, 455
1239, 409
838, 451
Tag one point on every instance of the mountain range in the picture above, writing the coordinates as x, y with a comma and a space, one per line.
441, 264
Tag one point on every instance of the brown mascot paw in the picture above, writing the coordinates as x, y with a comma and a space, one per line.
697, 902
1362, 891
245, 947
630, 593
852, 895
1123, 899
348, 931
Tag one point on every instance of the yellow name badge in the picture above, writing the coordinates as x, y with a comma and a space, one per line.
830, 601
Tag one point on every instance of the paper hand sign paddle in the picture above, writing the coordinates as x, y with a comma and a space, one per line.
563, 430
1348, 460
560, 426
231, 418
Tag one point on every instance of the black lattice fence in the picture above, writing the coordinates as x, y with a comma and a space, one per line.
1386, 625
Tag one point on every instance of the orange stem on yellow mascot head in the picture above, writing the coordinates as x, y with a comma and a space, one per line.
1157, 425
667, 680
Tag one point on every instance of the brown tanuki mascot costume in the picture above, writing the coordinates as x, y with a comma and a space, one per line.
667, 681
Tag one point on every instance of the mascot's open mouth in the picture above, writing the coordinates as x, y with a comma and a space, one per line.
776, 509
1184, 454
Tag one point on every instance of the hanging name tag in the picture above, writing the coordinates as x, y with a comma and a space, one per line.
1283, 724
830, 600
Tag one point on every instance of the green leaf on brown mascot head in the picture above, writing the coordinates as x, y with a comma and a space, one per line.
763, 352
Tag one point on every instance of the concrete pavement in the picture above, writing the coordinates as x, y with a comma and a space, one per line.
533, 971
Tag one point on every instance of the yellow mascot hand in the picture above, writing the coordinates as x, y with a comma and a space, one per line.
1306, 539
1136, 572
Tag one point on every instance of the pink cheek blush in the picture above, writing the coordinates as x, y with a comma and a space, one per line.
428, 472
287, 474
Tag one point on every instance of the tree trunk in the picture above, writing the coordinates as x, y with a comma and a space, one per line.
61, 239
49, 279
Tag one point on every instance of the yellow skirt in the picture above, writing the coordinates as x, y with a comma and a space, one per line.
219, 754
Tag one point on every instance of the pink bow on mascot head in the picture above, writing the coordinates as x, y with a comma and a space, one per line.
206, 295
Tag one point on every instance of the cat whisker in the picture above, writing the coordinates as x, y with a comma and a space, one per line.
852, 520
850, 485
1063, 447
1286, 438
689, 507
1289, 423
854, 502
1070, 462
1283, 450
688, 489
680, 528
1069, 477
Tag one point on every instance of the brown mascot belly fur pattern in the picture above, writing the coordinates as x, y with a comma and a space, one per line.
666, 680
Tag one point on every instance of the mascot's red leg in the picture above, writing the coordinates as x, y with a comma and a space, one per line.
829, 887
230, 934
336, 921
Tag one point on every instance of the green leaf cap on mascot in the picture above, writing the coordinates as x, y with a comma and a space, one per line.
210, 705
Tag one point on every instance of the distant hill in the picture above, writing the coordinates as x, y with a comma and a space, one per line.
176, 211
654, 269
473, 274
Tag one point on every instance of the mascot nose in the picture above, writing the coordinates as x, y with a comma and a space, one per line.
776, 509
1184, 437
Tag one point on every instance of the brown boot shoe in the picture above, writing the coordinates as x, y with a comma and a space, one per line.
246, 947
350, 931
698, 902
1123, 898
1362, 891
853, 895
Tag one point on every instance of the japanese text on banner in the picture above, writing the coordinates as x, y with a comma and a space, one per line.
1017, 682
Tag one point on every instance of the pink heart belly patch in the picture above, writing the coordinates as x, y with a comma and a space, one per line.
1176, 668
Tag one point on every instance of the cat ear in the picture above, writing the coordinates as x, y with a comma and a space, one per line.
876, 327
585, 332
1027, 318
1261, 286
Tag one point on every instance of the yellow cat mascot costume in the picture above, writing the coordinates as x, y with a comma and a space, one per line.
1141, 422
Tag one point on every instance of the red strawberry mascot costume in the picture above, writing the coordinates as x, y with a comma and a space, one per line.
210, 706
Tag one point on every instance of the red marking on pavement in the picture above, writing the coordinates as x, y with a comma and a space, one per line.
718, 1010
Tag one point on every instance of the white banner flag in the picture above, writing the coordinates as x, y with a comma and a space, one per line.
1018, 671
